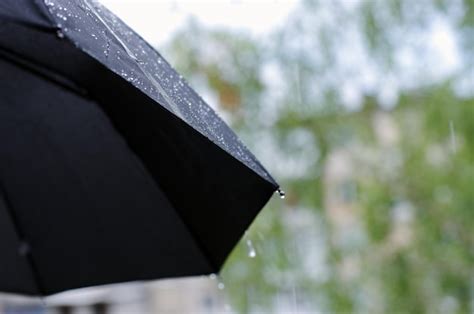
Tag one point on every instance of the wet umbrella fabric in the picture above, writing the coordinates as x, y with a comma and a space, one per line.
112, 168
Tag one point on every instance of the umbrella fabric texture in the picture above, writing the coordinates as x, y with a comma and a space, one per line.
112, 168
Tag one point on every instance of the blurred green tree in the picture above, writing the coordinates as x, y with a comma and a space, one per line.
364, 110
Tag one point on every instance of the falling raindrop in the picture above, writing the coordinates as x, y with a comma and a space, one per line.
281, 193
220, 285
251, 250
454, 146
295, 303
298, 84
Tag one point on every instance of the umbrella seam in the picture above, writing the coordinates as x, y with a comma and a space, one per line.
155, 184
192, 234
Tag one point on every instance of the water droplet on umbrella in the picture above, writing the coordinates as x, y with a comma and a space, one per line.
107, 46
281, 193
251, 250
161, 90
60, 33
61, 16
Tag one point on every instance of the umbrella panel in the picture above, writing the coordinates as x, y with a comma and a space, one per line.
84, 202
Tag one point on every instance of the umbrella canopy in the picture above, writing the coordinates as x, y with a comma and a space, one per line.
112, 168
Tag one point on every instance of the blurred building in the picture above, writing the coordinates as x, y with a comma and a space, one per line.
347, 167
188, 295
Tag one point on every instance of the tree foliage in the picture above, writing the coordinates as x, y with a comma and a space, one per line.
371, 132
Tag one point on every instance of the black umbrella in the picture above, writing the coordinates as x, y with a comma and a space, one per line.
112, 168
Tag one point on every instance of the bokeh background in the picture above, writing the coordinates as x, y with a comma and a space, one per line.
364, 112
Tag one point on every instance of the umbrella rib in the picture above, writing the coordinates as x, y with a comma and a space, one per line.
192, 233
23, 241
197, 241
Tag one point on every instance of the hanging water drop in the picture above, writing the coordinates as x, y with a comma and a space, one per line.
251, 250
220, 285
213, 276
281, 193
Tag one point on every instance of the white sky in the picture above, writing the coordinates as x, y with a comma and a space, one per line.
156, 20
